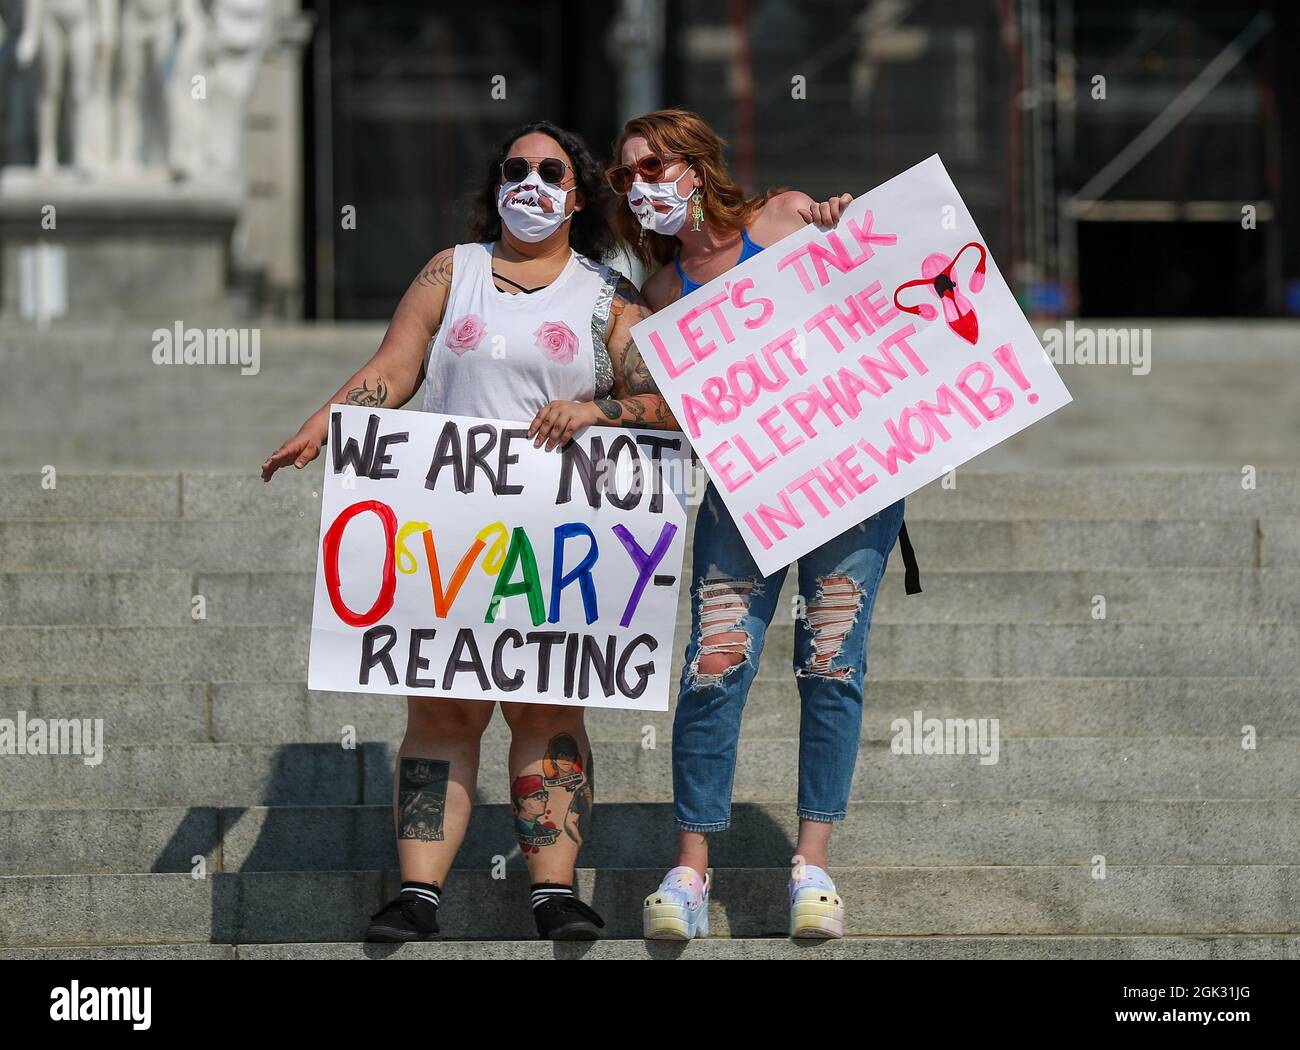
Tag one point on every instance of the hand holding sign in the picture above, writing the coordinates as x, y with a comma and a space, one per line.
457, 559
839, 370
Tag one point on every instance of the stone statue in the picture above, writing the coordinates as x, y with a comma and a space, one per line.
148, 40
76, 38
185, 71
162, 116
187, 127
150, 186
241, 32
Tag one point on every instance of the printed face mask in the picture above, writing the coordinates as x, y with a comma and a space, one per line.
642, 197
526, 213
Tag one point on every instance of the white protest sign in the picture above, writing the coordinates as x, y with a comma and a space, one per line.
457, 560
839, 370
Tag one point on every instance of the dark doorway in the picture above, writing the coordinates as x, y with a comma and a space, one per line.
401, 114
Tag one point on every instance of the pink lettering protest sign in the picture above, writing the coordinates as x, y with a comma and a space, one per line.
840, 370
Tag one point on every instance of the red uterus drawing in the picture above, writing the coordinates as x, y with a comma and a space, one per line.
938, 274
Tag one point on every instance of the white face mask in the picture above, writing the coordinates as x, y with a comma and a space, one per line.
524, 214
648, 193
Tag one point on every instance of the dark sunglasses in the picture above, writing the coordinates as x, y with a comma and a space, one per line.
651, 168
516, 169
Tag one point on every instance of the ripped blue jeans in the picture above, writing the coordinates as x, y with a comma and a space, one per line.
732, 607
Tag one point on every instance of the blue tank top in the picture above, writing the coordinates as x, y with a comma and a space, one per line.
748, 249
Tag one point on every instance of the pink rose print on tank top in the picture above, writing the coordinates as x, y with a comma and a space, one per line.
556, 340
465, 334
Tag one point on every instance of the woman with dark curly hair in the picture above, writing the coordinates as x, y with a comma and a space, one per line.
524, 322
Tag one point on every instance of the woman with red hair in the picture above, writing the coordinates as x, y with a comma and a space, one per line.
686, 216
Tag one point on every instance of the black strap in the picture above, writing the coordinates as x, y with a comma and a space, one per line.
911, 571
502, 277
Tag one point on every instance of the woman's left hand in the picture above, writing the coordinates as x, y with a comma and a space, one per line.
826, 213
559, 421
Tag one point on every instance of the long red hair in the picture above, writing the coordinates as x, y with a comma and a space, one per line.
726, 208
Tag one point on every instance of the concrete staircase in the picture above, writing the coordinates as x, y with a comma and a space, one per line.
1120, 738
1219, 394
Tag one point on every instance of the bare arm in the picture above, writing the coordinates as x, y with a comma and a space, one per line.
391, 376
635, 399
789, 211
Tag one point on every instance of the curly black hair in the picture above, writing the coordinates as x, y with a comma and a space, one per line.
589, 230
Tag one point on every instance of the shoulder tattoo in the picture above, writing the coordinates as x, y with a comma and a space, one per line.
437, 273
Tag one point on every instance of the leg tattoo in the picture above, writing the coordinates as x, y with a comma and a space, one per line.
422, 798
563, 779
531, 803
577, 822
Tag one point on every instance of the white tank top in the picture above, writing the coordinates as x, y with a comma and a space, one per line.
499, 355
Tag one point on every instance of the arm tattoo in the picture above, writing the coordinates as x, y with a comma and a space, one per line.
636, 400
437, 273
422, 798
638, 411
363, 395
636, 377
625, 294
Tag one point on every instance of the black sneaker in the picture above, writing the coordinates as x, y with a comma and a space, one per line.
566, 919
404, 918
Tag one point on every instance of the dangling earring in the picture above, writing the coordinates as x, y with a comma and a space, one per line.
640, 238
697, 211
